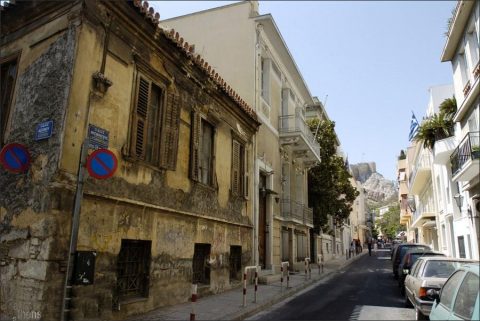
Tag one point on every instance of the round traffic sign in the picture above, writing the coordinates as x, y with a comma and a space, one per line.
15, 158
102, 164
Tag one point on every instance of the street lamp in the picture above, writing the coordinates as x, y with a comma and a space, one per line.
459, 200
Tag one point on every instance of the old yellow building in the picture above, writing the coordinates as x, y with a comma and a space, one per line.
177, 210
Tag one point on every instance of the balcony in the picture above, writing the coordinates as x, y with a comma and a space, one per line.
465, 159
295, 212
421, 173
443, 149
294, 131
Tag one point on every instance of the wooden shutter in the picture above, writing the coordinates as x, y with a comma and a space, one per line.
170, 132
246, 176
140, 122
236, 167
195, 129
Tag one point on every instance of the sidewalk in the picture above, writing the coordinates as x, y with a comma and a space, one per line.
228, 305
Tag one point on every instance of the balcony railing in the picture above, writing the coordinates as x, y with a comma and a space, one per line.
297, 124
468, 149
296, 211
423, 162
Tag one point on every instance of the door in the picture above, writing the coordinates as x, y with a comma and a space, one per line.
262, 221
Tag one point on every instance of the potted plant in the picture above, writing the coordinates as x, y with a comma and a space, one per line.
475, 151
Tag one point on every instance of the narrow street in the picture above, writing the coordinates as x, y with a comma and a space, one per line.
364, 290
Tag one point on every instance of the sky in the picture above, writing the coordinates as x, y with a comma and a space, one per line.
370, 62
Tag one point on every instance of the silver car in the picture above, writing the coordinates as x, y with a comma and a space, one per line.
428, 273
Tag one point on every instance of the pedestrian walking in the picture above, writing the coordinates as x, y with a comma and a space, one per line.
369, 244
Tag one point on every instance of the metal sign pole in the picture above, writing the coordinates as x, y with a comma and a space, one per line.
74, 231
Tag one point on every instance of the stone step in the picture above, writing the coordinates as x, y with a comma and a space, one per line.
269, 278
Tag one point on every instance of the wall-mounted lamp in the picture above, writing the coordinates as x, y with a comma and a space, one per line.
459, 200
277, 199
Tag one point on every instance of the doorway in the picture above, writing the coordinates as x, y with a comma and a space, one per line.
262, 221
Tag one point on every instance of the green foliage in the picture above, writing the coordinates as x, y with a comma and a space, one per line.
329, 188
439, 126
389, 224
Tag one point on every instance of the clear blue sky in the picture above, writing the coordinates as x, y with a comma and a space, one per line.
375, 61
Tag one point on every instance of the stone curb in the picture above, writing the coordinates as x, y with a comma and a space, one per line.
278, 298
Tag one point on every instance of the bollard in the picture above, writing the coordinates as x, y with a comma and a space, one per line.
194, 299
245, 284
282, 271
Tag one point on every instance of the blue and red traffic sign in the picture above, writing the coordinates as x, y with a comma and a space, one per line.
102, 164
15, 158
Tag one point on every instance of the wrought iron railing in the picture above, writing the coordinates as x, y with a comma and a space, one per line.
293, 210
423, 161
468, 149
297, 123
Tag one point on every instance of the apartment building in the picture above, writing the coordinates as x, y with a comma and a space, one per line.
462, 51
260, 66
178, 208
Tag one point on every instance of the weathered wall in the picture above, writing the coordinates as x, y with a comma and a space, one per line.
30, 255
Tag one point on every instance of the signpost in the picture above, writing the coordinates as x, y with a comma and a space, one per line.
102, 164
98, 137
44, 130
15, 158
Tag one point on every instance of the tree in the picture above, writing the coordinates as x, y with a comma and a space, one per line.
438, 126
329, 188
389, 223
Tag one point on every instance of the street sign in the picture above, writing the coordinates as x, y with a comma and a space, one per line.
102, 164
98, 137
44, 130
15, 158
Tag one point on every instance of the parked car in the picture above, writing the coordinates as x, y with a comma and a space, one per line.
429, 272
459, 298
407, 262
399, 252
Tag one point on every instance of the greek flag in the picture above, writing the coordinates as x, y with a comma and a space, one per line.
413, 127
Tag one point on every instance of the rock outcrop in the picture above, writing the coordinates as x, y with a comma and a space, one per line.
379, 190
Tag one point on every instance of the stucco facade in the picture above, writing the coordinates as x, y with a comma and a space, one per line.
260, 66
178, 209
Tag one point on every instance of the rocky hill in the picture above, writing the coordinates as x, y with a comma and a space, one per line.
379, 190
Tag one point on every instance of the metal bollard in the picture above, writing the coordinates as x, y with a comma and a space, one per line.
245, 284
194, 299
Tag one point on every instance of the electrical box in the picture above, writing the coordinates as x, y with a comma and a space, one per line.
84, 271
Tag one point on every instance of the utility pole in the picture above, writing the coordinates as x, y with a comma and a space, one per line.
67, 289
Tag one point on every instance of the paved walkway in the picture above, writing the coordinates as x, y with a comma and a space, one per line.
229, 305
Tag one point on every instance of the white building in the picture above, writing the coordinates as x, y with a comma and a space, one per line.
263, 71
462, 50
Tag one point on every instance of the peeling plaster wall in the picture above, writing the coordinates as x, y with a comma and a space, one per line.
29, 242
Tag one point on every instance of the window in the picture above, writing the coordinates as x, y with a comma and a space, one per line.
133, 268
301, 246
461, 247
466, 296
285, 247
155, 124
235, 262
265, 81
239, 178
7, 85
202, 151
201, 264
448, 290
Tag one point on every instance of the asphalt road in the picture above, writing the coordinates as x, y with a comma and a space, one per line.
364, 290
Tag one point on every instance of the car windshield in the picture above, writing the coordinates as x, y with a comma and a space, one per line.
440, 269
405, 249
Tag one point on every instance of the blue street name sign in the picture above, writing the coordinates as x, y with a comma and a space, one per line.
44, 130
98, 137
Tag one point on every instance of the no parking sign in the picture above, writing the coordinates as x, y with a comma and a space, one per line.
15, 158
102, 164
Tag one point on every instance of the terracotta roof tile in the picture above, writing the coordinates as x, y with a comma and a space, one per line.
150, 14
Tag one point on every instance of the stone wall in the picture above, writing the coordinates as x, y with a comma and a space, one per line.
30, 257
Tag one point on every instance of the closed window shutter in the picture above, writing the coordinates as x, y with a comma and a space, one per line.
246, 176
236, 167
196, 123
140, 118
170, 132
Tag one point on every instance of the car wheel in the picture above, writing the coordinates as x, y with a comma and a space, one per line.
408, 304
419, 315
